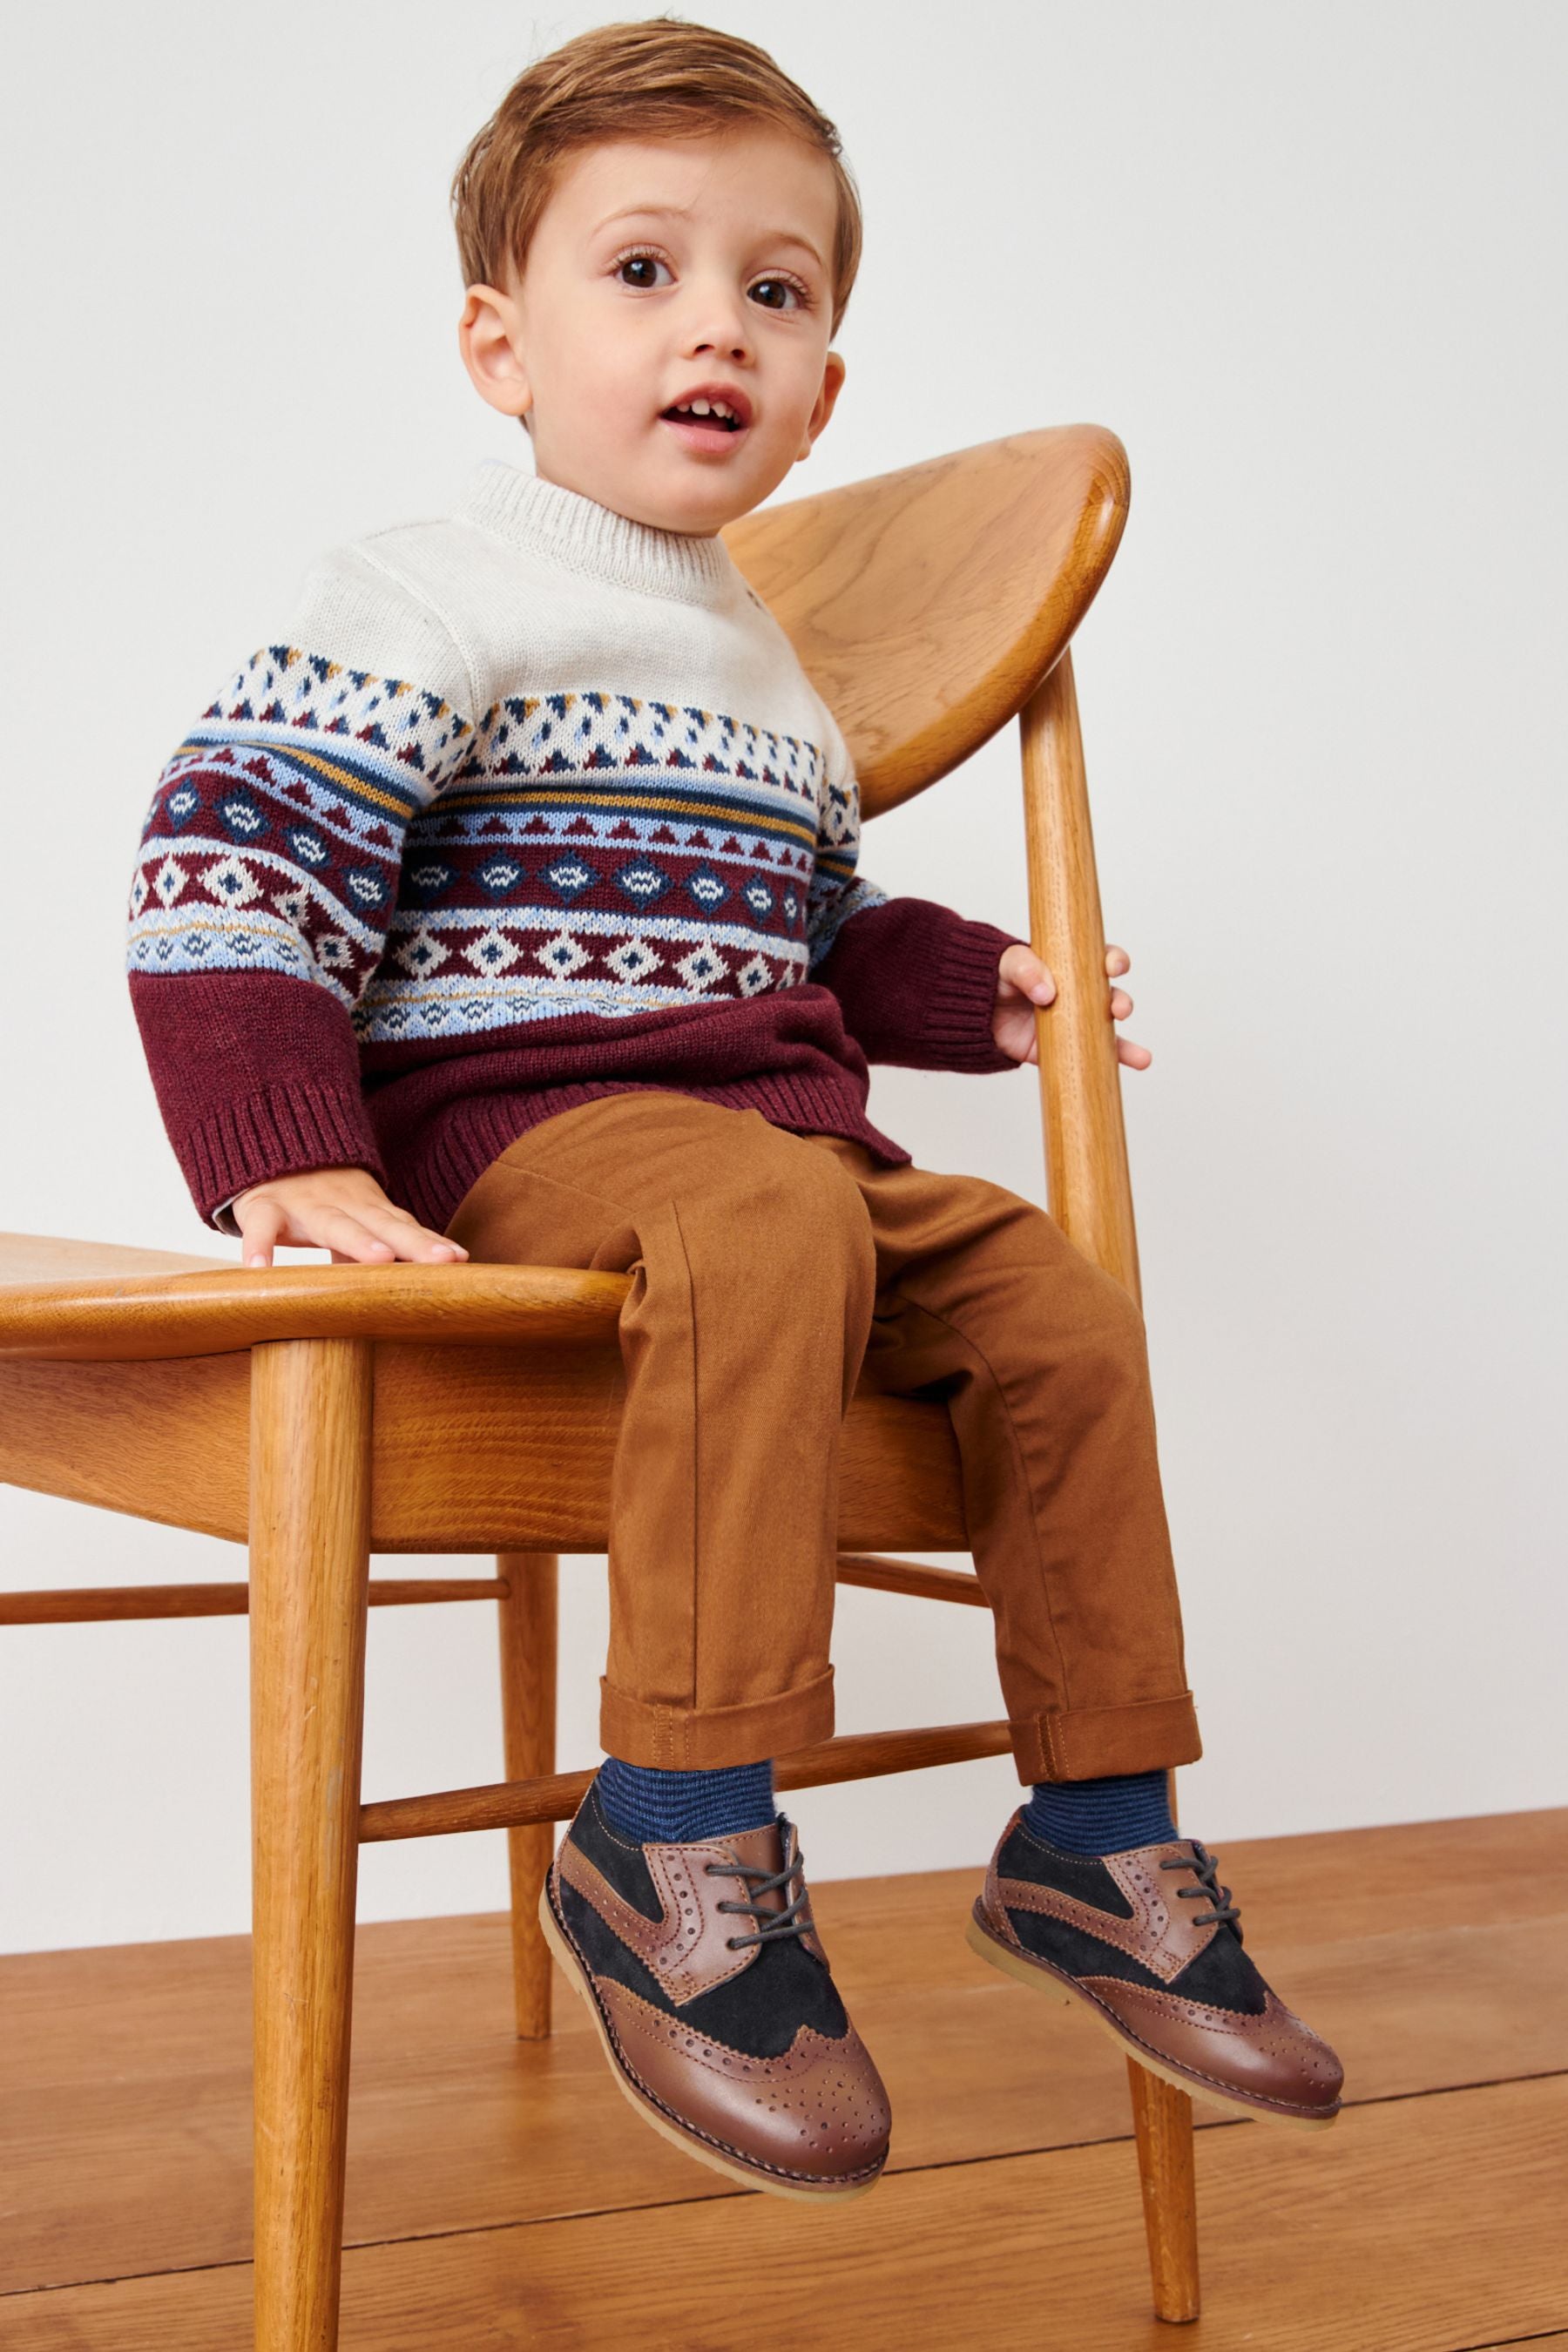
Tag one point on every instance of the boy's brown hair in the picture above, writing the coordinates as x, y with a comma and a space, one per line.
657, 79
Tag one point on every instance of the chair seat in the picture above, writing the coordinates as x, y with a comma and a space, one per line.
125, 1382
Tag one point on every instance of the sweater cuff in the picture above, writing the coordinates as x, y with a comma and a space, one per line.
256, 1075
281, 1131
962, 998
917, 985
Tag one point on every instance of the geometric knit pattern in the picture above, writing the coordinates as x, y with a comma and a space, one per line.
514, 806
277, 829
572, 851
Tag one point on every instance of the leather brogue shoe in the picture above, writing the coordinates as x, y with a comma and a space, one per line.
706, 1979
1150, 1942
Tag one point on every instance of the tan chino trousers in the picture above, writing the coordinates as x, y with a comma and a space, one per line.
773, 1273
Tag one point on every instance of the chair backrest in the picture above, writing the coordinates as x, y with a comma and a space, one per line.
927, 604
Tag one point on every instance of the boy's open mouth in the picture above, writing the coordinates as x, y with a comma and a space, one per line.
707, 421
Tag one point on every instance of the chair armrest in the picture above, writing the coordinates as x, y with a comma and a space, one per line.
140, 1317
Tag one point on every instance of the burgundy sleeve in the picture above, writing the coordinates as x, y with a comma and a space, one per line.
266, 883
255, 1076
918, 984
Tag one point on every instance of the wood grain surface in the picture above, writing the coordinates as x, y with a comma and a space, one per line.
169, 1442
1426, 1953
911, 1577
482, 1449
528, 1624
309, 1472
28, 1259
476, 1449
120, 1604
1080, 1079
144, 1316
1422, 2226
927, 604
1090, 1195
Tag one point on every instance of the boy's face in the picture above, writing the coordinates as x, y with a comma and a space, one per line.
664, 271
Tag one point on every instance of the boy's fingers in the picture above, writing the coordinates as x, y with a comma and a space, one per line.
367, 1235
1117, 962
412, 1240
261, 1225
364, 1235
1137, 1057
336, 1230
1022, 969
1120, 1004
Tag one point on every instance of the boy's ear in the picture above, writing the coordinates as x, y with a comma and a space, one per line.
821, 408
490, 337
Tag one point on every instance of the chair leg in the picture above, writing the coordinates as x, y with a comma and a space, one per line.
310, 1533
528, 1723
1162, 2119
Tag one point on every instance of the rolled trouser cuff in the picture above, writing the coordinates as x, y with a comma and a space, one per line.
1091, 1743
701, 1739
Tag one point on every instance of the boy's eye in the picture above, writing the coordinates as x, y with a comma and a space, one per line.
778, 294
640, 269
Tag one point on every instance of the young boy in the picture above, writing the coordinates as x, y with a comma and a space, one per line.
505, 905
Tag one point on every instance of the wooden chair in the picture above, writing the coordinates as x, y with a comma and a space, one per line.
325, 1412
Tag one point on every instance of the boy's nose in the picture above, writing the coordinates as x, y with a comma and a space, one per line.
717, 325
719, 344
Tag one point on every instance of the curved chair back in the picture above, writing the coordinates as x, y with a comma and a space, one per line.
928, 604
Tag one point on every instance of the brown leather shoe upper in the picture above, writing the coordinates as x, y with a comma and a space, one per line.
715, 1994
1151, 1939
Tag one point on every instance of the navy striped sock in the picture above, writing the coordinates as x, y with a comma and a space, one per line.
660, 1808
1101, 1816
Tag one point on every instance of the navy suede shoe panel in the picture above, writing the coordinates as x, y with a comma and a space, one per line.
619, 1858
1088, 1881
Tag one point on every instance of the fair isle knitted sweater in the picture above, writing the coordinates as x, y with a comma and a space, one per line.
521, 806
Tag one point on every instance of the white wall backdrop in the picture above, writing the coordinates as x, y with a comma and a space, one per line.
1304, 264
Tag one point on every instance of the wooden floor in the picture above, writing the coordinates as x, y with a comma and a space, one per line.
502, 2195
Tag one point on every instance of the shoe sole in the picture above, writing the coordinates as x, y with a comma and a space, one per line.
1042, 1978
688, 2141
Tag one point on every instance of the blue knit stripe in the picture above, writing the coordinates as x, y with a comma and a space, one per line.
1099, 1817
660, 1808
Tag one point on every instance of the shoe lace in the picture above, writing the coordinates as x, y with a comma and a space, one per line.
772, 1926
1204, 1866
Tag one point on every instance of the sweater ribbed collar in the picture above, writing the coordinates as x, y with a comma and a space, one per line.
579, 534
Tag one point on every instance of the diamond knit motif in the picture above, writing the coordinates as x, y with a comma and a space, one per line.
573, 852
289, 800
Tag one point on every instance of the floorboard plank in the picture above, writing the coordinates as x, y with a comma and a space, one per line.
1420, 2225
124, 2079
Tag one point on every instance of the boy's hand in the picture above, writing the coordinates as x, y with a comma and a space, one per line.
343, 1210
1022, 982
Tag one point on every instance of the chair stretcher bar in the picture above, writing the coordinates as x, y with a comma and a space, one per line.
125, 1604
117, 1603
516, 1804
